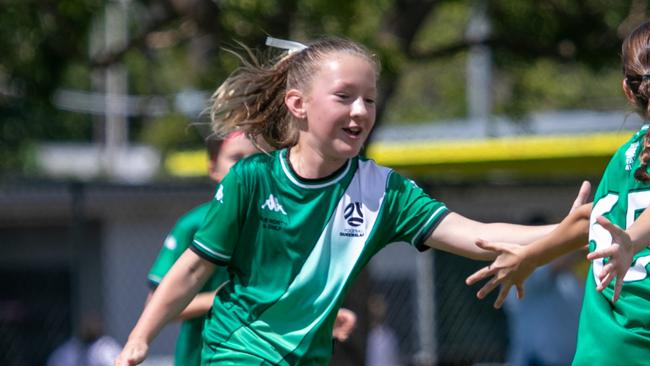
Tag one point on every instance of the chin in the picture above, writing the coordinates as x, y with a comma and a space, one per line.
349, 152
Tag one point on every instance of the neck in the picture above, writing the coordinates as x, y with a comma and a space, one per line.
311, 164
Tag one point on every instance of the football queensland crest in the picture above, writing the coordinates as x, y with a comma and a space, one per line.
353, 214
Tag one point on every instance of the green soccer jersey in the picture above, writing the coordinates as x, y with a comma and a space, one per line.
293, 247
188, 344
617, 333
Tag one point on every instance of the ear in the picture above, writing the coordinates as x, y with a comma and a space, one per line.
295, 102
214, 172
629, 94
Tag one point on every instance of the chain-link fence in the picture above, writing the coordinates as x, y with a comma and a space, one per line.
69, 250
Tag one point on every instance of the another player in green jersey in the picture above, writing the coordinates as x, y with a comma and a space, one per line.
294, 227
615, 319
222, 154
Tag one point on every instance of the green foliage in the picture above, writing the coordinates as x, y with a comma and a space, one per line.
446, 25
433, 90
174, 131
559, 54
38, 42
582, 31
552, 54
429, 92
547, 85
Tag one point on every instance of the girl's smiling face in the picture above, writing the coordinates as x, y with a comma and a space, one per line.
339, 107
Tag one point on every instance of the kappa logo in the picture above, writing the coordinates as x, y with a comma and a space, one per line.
170, 242
353, 214
219, 195
630, 156
272, 204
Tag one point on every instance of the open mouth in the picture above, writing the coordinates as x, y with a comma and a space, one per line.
353, 131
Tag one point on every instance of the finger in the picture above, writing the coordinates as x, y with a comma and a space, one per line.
583, 195
602, 253
345, 328
503, 294
486, 245
487, 288
135, 356
604, 283
520, 292
340, 335
606, 271
612, 228
119, 361
617, 288
480, 275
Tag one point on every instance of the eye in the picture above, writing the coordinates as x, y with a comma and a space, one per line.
342, 95
369, 100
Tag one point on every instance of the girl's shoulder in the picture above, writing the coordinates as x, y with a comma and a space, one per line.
639, 134
394, 181
255, 163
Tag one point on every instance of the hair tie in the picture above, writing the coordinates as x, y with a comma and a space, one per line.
645, 77
291, 46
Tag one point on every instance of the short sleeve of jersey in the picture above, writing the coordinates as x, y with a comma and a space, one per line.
413, 214
176, 242
219, 233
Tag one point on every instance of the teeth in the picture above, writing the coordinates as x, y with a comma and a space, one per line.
353, 130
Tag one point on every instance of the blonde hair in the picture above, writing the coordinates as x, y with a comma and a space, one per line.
251, 99
635, 57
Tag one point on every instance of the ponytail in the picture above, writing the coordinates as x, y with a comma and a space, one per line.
251, 100
635, 57
641, 174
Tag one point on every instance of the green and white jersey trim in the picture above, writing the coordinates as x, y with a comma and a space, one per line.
214, 253
282, 157
434, 216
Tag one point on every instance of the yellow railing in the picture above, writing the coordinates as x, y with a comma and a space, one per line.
543, 155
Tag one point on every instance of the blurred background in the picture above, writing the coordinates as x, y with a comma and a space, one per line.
498, 108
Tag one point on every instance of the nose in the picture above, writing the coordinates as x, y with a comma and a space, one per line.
359, 108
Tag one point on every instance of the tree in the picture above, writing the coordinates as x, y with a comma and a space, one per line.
422, 44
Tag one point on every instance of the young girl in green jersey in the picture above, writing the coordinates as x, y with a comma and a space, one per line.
615, 319
294, 227
222, 155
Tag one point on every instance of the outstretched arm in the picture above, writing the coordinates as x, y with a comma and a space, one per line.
179, 286
458, 234
625, 244
515, 263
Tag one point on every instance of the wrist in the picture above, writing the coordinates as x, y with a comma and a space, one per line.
530, 256
637, 245
137, 338
637, 241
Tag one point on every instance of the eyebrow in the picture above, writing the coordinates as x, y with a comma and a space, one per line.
345, 84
